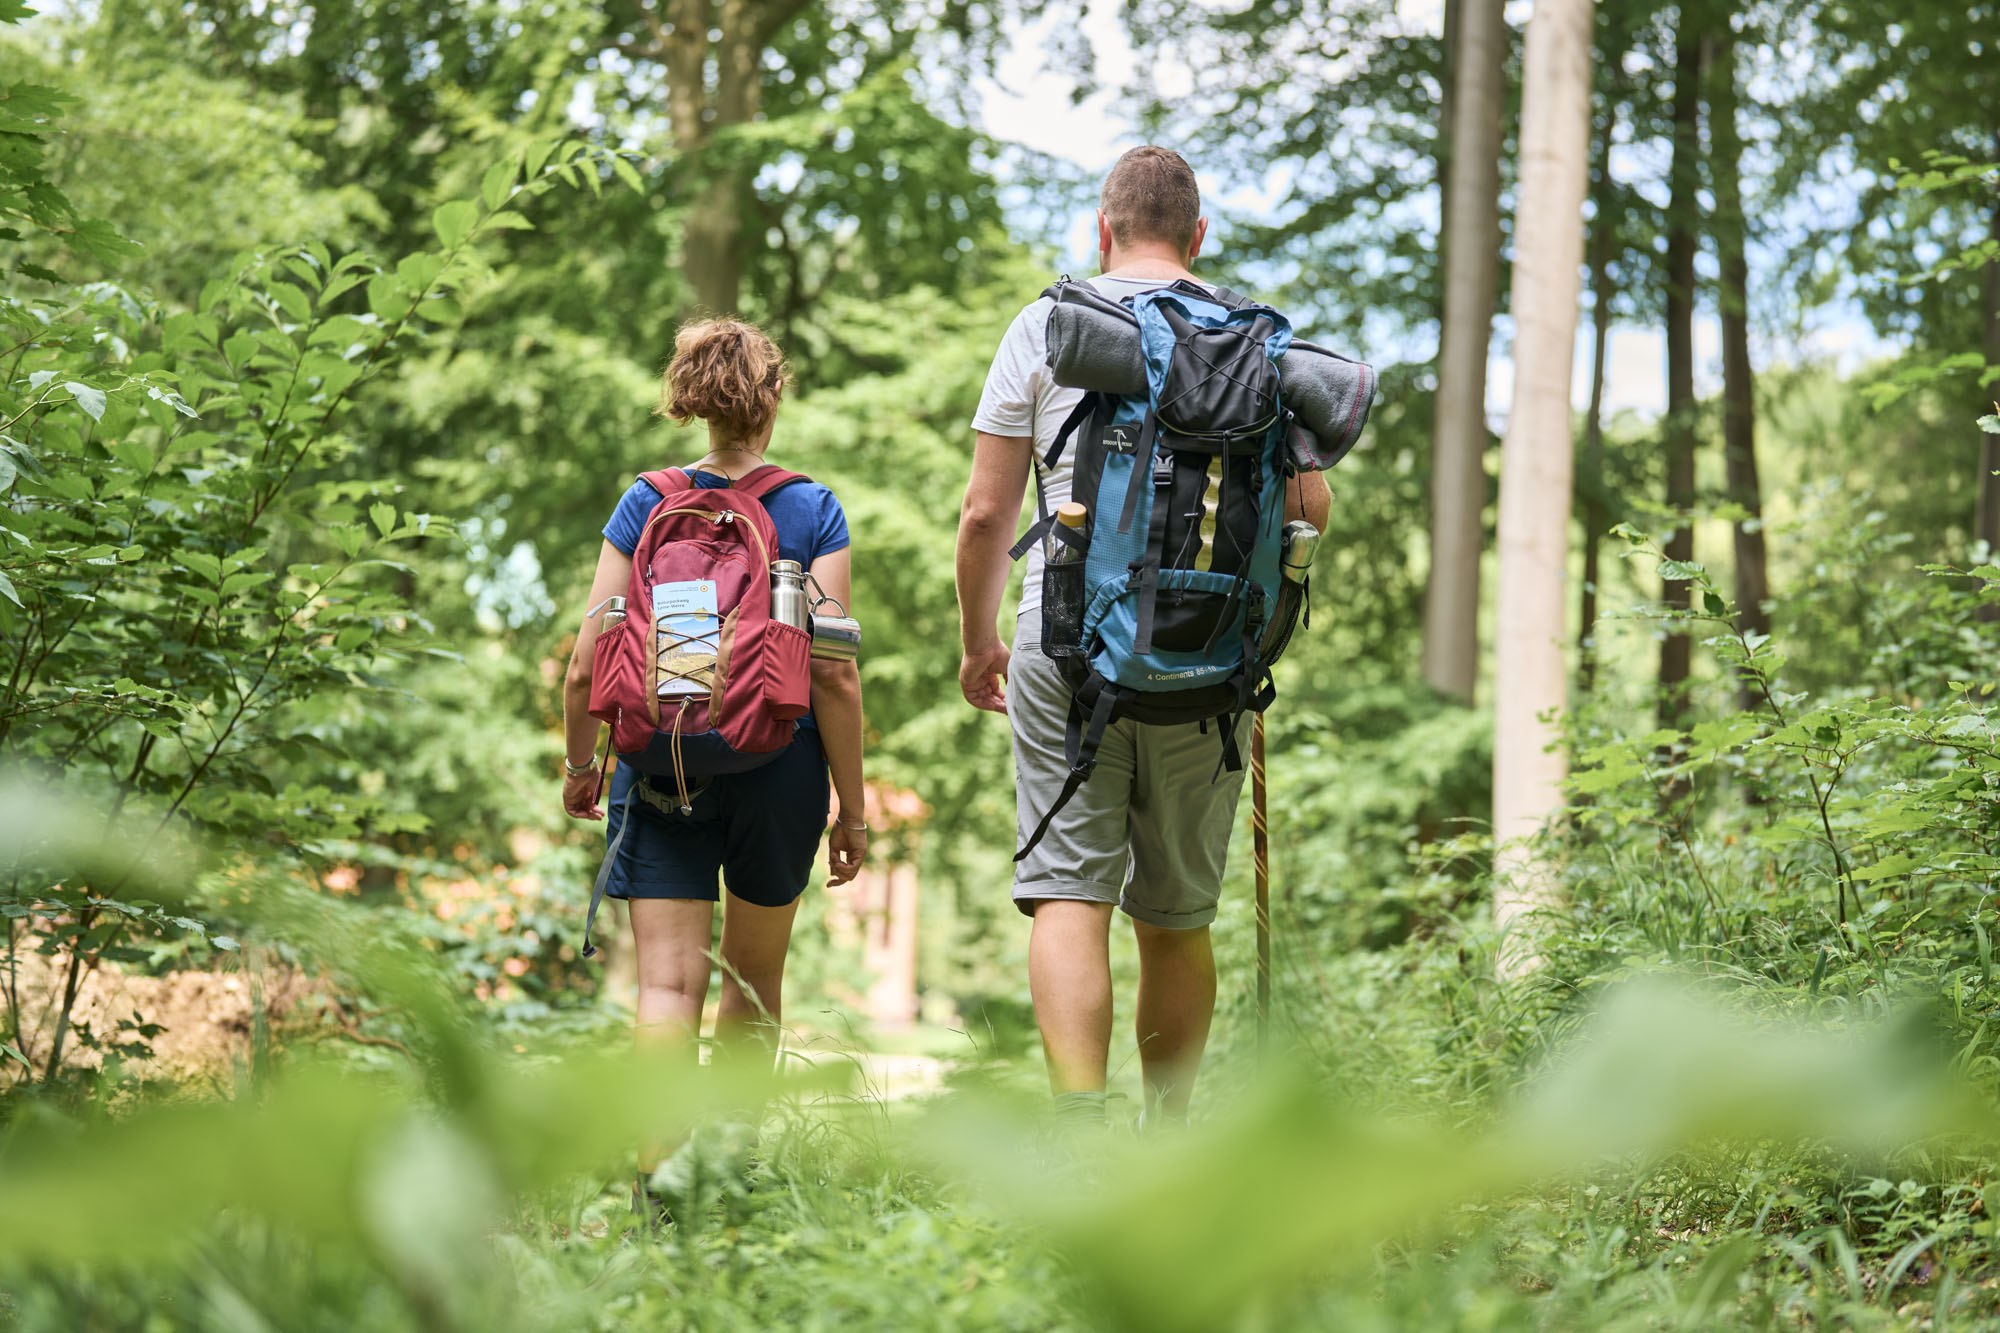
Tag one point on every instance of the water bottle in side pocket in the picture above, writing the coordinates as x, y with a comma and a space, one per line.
1062, 584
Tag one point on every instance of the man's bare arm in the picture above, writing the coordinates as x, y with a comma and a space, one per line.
986, 525
1307, 496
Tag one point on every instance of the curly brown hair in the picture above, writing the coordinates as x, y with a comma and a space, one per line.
726, 373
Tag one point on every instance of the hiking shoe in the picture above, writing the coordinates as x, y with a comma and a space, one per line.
653, 1209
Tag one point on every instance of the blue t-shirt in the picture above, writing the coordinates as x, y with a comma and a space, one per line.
808, 518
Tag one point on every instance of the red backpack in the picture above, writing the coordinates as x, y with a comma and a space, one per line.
736, 681
672, 713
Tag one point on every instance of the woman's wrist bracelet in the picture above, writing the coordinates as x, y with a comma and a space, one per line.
862, 827
578, 770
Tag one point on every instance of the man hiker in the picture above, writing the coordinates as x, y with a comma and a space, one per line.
1149, 831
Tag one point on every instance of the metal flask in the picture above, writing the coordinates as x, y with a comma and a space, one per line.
788, 594
1299, 542
1295, 559
613, 611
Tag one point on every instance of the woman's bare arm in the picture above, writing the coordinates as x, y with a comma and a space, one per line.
836, 702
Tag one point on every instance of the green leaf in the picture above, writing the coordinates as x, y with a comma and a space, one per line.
7, 591
224, 942
508, 220
244, 581
386, 298
1990, 423
134, 455
454, 222
5, 1049
497, 182
537, 155
419, 271
384, 516
1895, 863
627, 172
201, 563
292, 301
1713, 604
345, 330
89, 399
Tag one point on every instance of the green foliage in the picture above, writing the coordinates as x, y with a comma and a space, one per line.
190, 555
326, 722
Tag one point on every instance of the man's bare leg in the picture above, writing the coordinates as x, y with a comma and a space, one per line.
1176, 1002
1069, 975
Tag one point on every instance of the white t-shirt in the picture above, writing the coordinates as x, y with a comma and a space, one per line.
1022, 399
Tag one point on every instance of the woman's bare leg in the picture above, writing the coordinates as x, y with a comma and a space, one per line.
670, 941
754, 943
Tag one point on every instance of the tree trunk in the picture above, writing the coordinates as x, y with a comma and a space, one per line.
1603, 238
1739, 397
713, 245
1448, 62
1988, 526
1680, 424
1458, 438
1529, 764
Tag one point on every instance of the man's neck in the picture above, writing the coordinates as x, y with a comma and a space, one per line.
1161, 265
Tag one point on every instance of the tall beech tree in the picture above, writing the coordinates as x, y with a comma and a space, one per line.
1531, 676
1471, 239
1739, 393
1683, 220
713, 55
1603, 243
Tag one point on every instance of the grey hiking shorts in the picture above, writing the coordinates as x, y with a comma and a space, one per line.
1150, 829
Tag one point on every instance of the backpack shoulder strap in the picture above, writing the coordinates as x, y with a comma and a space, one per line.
761, 482
667, 480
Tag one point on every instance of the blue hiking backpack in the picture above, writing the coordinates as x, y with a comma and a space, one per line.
1185, 486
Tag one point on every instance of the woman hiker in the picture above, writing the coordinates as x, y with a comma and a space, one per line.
760, 829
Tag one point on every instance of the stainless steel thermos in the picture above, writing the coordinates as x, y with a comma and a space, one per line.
1295, 550
788, 593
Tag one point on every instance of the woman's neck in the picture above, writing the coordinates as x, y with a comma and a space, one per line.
734, 458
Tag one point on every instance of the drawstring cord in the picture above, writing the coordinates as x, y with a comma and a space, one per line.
680, 767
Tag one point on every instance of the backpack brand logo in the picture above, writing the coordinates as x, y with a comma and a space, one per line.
1121, 439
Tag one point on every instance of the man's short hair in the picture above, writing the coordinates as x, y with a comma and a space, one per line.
1151, 195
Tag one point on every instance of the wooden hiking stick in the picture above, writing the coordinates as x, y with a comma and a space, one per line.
1261, 843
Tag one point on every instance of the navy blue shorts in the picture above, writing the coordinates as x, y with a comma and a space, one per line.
761, 829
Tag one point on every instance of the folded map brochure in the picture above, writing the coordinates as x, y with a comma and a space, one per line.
689, 633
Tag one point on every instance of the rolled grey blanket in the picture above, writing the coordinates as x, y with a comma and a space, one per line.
1094, 345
